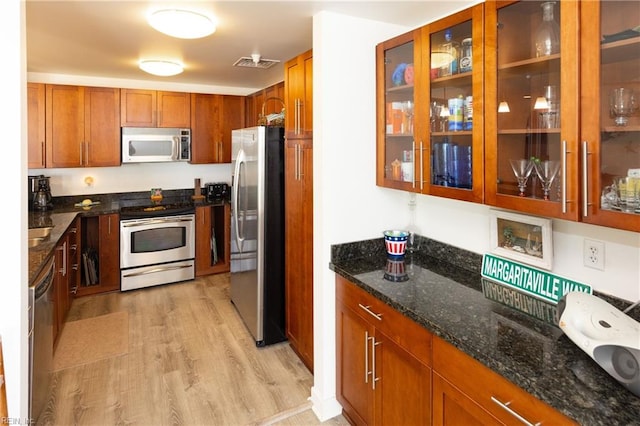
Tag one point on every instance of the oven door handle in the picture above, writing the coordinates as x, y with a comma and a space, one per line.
156, 270
235, 197
156, 221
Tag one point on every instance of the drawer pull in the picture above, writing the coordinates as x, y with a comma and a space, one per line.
369, 311
505, 406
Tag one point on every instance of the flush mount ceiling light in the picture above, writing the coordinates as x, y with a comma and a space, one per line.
161, 68
181, 23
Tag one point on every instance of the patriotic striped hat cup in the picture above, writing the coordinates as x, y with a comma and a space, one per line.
396, 242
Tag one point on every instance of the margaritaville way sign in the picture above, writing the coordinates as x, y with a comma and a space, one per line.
528, 279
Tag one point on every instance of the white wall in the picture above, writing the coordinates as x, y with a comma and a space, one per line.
348, 206
133, 177
13, 288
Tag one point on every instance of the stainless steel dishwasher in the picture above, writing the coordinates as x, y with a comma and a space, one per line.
40, 338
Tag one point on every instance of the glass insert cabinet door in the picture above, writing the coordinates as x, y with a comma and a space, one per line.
453, 113
396, 162
531, 107
610, 99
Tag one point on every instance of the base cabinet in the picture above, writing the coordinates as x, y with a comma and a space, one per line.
213, 230
486, 399
383, 361
65, 279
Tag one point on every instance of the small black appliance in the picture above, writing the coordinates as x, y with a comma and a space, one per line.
41, 189
217, 191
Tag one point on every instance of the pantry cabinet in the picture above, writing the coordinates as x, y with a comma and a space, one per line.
298, 173
532, 122
151, 108
610, 144
212, 119
430, 108
213, 231
36, 126
383, 361
488, 399
82, 126
100, 270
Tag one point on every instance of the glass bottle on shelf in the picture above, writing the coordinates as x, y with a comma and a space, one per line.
451, 50
547, 36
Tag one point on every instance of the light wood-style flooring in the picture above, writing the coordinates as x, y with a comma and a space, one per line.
191, 361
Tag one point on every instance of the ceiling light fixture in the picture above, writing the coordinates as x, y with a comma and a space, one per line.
181, 23
504, 107
541, 103
161, 68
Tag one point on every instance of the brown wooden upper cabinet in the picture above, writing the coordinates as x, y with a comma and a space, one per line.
82, 126
151, 108
298, 93
36, 125
212, 119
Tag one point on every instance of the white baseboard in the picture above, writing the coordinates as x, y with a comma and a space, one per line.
325, 408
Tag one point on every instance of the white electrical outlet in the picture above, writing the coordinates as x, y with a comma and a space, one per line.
594, 254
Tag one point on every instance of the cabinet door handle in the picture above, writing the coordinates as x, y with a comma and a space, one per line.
366, 356
413, 164
564, 175
86, 154
370, 312
421, 167
585, 179
505, 406
301, 160
81, 153
373, 362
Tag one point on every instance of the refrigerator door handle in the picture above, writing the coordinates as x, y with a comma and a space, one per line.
235, 197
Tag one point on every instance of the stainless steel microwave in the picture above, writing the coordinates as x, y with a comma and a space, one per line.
155, 145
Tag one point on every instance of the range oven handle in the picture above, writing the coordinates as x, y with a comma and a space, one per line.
235, 197
145, 222
156, 270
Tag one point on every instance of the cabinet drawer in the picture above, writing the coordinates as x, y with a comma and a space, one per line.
400, 329
489, 389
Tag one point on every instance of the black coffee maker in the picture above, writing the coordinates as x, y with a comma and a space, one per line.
40, 193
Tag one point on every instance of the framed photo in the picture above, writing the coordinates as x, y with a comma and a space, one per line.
525, 239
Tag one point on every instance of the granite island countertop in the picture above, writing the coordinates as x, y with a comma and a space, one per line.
446, 298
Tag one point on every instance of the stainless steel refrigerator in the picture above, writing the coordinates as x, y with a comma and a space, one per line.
257, 231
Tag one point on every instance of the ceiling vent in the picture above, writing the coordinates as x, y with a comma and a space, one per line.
255, 61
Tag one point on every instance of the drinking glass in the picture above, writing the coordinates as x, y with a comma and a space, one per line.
522, 169
547, 172
628, 193
623, 104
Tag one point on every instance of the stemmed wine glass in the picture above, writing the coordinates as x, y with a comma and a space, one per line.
623, 104
547, 172
522, 169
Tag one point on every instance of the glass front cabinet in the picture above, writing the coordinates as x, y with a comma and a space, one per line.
430, 96
396, 163
610, 121
531, 113
530, 106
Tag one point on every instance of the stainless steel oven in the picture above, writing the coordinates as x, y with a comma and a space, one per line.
156, 250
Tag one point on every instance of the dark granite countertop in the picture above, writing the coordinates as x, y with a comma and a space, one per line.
64, 212
446, 298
